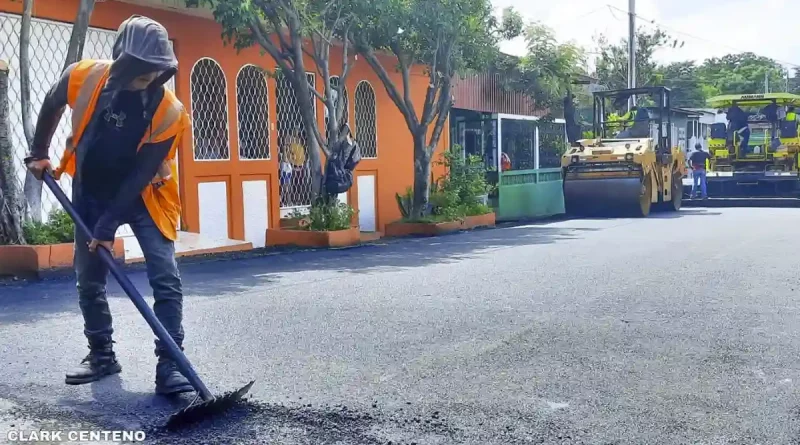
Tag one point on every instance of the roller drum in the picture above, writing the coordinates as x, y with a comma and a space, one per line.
606, 196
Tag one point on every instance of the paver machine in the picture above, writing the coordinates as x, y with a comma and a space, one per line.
768, 165
628, 168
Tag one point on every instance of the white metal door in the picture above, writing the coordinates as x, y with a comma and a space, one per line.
366, 203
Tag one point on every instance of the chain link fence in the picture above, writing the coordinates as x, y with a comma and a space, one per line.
366, 120
49, 41
252, 102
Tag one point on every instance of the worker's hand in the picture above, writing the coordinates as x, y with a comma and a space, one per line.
38, 167
107, 244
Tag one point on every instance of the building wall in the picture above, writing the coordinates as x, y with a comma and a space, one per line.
196, 39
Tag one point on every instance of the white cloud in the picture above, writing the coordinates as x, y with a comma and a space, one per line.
709, 28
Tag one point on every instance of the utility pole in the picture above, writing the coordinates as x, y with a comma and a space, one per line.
632, 49
766, 82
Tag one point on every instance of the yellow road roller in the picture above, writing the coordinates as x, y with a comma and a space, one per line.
628, 172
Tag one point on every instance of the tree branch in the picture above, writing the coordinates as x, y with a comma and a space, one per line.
430, 95
341, 110
262, 37
25, 71
445, 101
405, 74
389, 86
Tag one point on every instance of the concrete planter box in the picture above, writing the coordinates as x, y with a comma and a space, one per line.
309, 238
397, 229
30, 260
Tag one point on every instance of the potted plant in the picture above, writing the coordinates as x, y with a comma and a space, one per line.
458, 200
48, 245
327, 224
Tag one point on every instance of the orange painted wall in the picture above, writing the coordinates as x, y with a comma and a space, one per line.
195, 38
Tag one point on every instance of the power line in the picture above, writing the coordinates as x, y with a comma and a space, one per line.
739, 50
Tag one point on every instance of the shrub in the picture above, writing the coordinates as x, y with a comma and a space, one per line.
457, 194
58, 229
325, 217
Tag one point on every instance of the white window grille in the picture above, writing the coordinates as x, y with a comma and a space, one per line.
335, 82
252, 113
293, 165
366, 120
209, 111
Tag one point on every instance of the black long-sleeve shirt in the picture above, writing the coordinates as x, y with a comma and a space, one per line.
113, 174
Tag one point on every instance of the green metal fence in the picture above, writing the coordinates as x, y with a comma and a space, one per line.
526, 194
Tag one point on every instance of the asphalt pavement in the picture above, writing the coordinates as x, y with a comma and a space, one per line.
676, 329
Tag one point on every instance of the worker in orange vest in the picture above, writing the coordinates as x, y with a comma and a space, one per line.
126, 130
505, 162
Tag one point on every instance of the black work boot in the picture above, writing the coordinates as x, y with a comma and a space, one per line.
169, 379
101, 362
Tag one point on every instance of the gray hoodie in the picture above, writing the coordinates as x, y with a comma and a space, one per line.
142, 46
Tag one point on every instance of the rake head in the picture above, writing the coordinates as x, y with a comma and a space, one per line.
196, 412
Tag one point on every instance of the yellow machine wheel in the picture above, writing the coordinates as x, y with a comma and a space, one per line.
645, 199
677, 193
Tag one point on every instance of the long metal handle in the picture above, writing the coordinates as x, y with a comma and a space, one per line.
133, 294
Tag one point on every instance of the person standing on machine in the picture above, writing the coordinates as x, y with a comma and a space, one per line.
126, 129
739, 125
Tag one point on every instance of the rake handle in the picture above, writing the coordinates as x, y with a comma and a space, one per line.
137, 299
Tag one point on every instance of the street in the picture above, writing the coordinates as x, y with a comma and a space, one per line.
677, 329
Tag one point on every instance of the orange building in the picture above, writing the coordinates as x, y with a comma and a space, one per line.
229, 166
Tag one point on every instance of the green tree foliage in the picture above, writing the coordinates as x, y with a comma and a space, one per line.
742, 73
682, 78
447, 37
290, 32
612, 63
546, 70
691, 84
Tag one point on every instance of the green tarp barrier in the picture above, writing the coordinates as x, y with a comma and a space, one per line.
525, 194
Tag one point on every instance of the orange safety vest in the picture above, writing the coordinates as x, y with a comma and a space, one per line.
170, 120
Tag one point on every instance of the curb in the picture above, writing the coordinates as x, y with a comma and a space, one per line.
69, 273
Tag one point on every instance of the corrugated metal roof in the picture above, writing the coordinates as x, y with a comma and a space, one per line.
481, 92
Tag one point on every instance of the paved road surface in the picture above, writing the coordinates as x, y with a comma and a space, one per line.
678, 329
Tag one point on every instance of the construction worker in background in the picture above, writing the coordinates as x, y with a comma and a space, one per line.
791, 115
505, 162
699, 160
739, 125
126, 129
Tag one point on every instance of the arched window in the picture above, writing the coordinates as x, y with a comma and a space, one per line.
252, 112
209, 111
366, 120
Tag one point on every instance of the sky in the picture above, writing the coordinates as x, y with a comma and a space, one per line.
748, 25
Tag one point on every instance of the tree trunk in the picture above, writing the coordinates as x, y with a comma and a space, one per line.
33, 187
78, 37
422, 176
11, 206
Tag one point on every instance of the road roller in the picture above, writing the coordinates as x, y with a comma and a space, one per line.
627, 168
767, 165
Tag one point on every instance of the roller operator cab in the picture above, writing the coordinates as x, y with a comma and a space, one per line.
631, 166
767, 164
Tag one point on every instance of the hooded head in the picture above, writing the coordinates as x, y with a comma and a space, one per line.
143, 56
